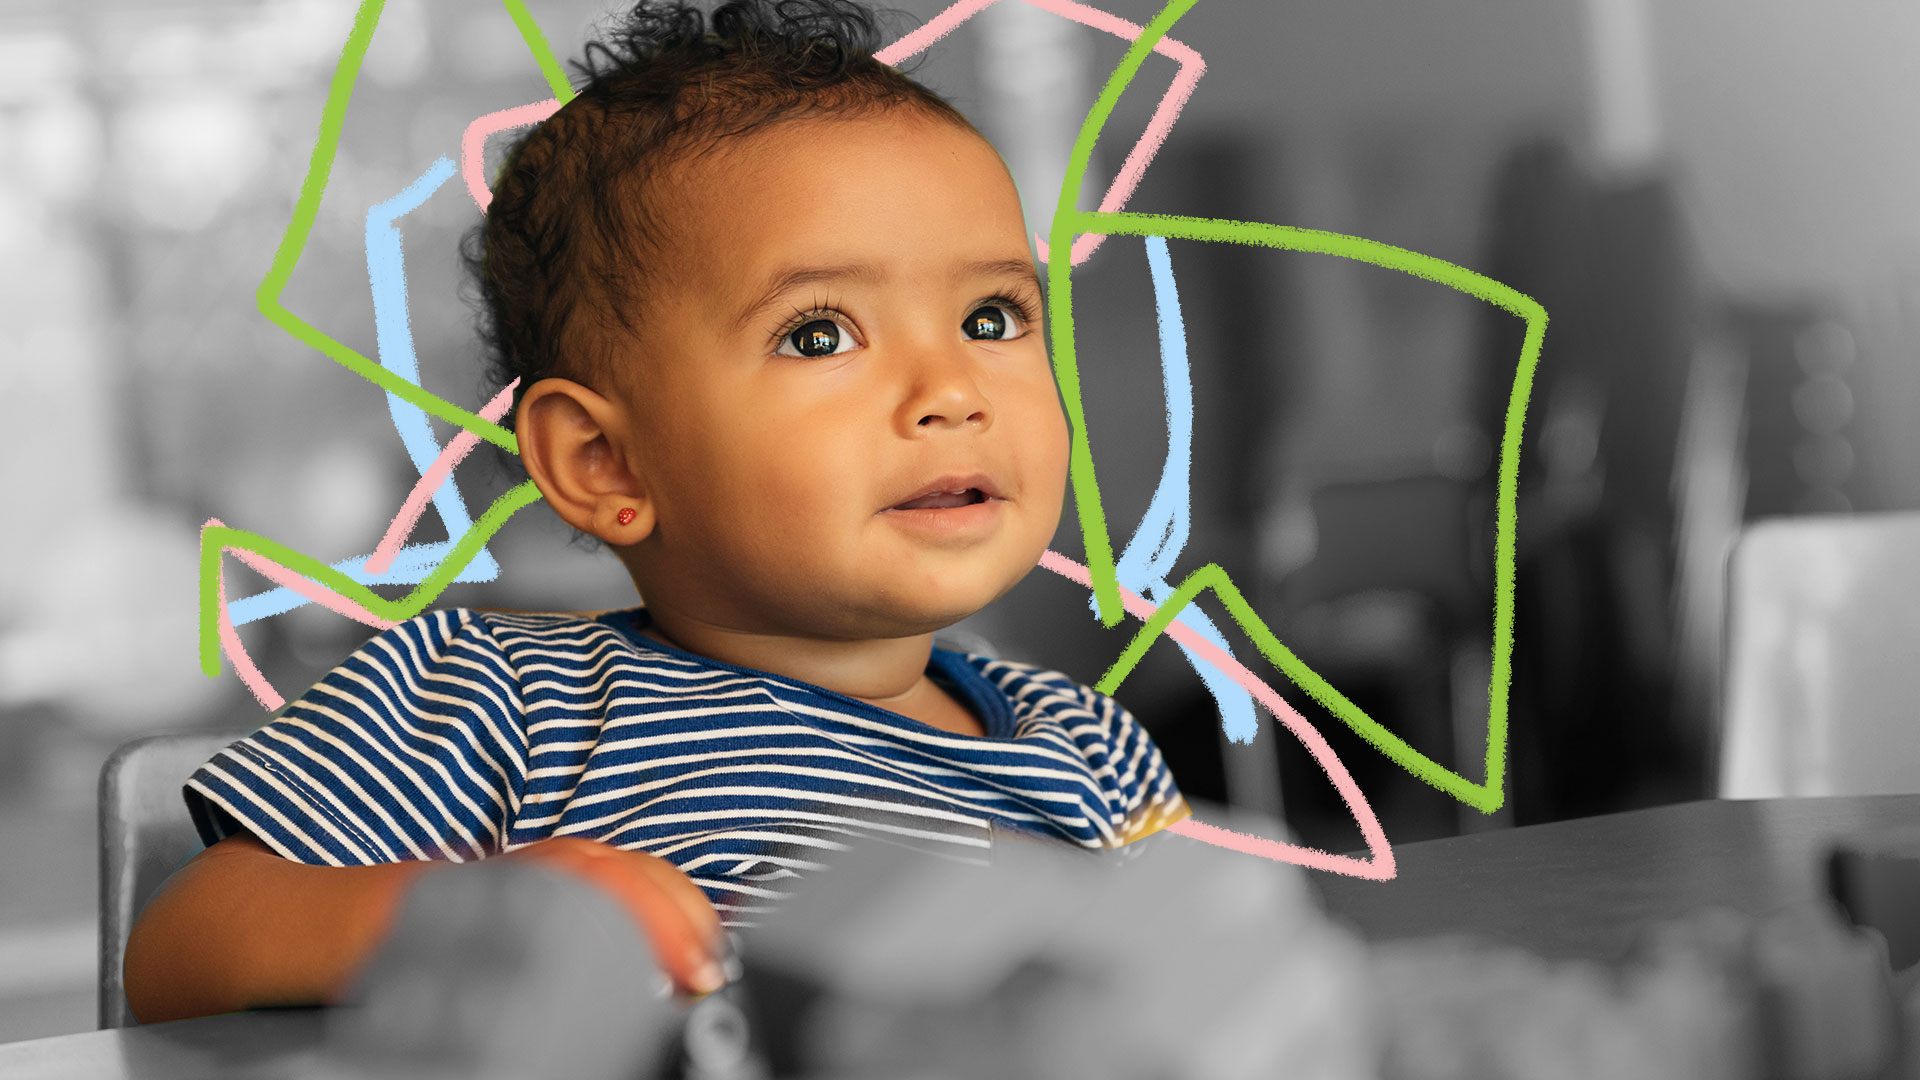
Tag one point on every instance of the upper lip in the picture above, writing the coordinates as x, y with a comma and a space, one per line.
952, 482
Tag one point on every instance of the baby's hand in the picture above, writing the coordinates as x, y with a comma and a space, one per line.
675, 914
507, 969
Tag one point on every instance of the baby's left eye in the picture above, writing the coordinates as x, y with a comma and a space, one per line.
993, 322
815, 338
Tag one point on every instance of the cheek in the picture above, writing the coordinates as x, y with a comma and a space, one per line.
1041, 443
727, 479
1050, 440
1061, 435
793, 464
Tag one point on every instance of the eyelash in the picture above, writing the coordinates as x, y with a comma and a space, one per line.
1024, 307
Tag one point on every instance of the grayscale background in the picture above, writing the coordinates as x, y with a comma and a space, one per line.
1713, 199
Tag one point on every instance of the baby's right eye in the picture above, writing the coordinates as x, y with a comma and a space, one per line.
818, 337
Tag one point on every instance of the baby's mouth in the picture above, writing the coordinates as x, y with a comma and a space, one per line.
941, 500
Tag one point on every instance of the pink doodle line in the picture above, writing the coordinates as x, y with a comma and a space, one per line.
280, 575
1192, 66
1380, 864
402, 527
473, 141
236, 651
456, 451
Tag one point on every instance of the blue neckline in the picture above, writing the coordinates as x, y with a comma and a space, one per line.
954, 671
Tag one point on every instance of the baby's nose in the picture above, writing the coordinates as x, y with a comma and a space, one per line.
948, 394
977, 416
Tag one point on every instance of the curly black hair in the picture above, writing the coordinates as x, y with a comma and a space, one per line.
565, 250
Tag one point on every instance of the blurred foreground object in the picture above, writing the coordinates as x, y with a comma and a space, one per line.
1715, 996
1167, 959
1876, 880
1820, 678
1170, 959
505, 969
1190, 961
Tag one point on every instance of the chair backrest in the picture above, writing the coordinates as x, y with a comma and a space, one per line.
145, 835
1823, 658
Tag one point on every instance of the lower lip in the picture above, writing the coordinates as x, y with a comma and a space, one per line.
949, 519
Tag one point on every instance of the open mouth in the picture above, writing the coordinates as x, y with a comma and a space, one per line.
942, 500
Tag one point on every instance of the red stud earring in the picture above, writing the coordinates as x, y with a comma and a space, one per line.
626, 515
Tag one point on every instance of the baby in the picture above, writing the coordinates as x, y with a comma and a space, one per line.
778, 338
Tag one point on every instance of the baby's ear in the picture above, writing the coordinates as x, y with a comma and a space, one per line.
571, 442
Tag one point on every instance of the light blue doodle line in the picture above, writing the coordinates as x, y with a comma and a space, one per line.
393, 330
1162, 534
411, 565
393, 335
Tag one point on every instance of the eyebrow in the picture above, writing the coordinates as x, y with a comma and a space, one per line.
780, 282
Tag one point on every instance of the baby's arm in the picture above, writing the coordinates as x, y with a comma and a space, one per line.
241, 927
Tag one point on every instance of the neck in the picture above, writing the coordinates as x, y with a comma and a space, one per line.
886, 672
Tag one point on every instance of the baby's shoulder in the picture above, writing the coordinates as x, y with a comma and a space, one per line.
497, 662
503, 638
1036, 687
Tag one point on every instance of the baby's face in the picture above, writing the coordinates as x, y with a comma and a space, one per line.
852, 322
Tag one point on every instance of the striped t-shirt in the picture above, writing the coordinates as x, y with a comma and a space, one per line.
461, 734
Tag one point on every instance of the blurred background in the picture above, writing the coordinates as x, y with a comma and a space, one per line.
1712, 199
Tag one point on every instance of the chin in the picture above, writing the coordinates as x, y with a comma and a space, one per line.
932, 617
963, 605
932, 622
907, 610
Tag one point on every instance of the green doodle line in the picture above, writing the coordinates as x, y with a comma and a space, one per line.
214, 541
1068, 222
307, 207
542, 54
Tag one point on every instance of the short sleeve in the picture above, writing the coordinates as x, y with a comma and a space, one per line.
1150, 800
412, 748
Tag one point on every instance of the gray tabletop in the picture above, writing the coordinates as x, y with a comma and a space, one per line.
259, 1045
1586, 888
1570, 889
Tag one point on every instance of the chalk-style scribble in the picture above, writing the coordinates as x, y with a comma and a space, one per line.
1144, 148
377, 565
1074, 235
1068, 221
436, 474
473, 143
1162, 533
1379, 866
386, 274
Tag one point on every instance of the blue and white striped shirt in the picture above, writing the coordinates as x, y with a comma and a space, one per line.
461, 734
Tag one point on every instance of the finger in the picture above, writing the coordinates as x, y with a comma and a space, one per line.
684, 945
679, 919
693, 901
698, 911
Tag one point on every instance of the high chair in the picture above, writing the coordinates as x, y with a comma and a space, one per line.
145, 835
